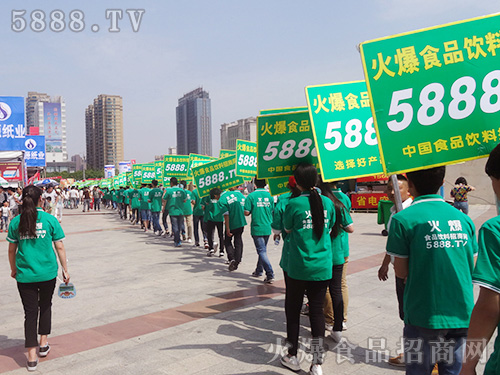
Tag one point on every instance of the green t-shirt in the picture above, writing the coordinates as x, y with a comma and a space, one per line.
341, 241
278, 227
487, 275
440, 243
188, 207
126, 196
134, 199
120, 196
197, 210
107, 194
231, 203
155, 196
113, 195
260, 204
35, 257
309, 258
212, 210
143, 198
175, 197
344, 237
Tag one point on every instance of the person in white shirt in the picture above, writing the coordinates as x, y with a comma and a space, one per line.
384, 268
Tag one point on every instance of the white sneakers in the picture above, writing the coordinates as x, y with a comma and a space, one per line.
316, 370
336, 336
291, 362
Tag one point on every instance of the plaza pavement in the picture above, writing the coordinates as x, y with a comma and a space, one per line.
146, 307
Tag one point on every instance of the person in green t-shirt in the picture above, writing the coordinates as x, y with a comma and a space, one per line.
188, 211
122, 209
486, 313
135, 205
308, 220
434, 246
32, 236
260, 205
198, 214
232, 204
174, 198
334, 308
145, 206
213, 219
155, 199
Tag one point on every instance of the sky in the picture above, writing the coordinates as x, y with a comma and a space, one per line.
249, 55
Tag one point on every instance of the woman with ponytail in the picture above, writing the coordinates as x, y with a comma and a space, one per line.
33, 264
308, 220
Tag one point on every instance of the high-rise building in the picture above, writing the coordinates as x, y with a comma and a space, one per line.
104, 131
46, 115
194, 126
242, 129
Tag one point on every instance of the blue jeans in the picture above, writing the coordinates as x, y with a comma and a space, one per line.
263, 263
424, 347
462, 206
155, 216
146, 215
176, 227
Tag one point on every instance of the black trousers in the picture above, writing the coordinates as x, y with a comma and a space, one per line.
210, 228
400, 292
335, 287
294, 296
164, 218
198, 221
37, 303
234, 252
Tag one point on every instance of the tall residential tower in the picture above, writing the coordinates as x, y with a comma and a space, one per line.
104, 131
194, 125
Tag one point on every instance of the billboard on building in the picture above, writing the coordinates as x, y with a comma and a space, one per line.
109, 171
12, 128
124, 166
52, 127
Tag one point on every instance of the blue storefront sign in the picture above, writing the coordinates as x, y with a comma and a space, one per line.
34, 150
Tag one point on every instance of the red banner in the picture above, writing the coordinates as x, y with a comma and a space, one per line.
379, 177
11, 171
367, 200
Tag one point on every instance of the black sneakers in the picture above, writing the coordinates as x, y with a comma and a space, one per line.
43, 351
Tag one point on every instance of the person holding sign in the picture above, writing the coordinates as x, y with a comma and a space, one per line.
434, 246
213, 218
231, 205
145, 206
486, 314
308, 221
260, 205
174, 199
33, 264
334, 301
155, 199
198, 220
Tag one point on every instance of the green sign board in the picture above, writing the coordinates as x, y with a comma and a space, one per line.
196, 160
281, 110
137, 174
219, 173
343, 130
246, 158
435, 93
148, 173
283, 141
159, 166
278, 186
176, 165
226, 153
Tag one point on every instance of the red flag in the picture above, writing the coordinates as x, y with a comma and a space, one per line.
34, 178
